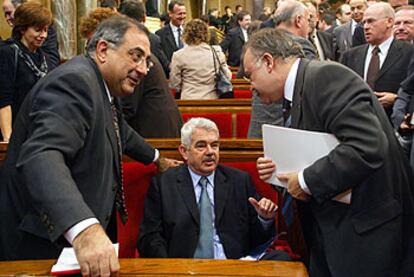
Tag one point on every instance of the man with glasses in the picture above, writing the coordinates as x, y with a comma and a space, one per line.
372, 234
61, 183
383, 62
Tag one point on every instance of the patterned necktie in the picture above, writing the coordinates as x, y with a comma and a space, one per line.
120, 195
180, 42
205, 248
373, 67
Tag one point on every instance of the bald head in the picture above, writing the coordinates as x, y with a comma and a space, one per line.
292, 16
378, 23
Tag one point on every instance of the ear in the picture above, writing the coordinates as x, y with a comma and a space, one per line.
268, 62
102, 51
183, 152
298, 21
390, 22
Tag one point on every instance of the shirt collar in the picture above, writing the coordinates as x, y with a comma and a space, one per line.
108, 93
196, 177
384, 46
175, 28
290, 80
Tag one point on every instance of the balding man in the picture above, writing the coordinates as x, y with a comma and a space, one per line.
343, 14
293, 17
346, 36
404, 23
384, 61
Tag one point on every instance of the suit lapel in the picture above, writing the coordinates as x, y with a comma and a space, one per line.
186, 189
393, 56
359, 60
109, 124
221, 192
171, 39
296, 111
241, 35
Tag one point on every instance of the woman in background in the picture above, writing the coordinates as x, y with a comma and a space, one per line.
22, 62
192, 67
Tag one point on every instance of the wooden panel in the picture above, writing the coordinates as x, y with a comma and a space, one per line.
173, 267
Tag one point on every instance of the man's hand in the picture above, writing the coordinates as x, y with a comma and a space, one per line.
165, 163
265, 207
294, 188
404, 124
386, 99
265, 168
95, 252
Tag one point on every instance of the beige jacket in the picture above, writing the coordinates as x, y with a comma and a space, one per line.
192, 71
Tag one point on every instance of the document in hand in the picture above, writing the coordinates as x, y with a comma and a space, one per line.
293, 150
67, 262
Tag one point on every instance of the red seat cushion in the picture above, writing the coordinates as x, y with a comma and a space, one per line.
223, 121
242, 124
137, 178
242, 93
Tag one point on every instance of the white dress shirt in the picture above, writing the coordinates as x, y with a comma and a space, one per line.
175, 33
384, 47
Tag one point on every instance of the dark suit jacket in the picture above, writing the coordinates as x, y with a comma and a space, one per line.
62, 163
233, 45
168, 43
327, 42
152, 103
51, 47
158, 52
393, 71
170, 227
356, 238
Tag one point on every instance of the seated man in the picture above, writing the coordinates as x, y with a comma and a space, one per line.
182, 219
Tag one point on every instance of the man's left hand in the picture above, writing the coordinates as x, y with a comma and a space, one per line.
294, 188
165, 163
386, 99
265, 207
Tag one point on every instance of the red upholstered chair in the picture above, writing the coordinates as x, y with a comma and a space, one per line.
223, 121
243, 93
242, 124
137, 178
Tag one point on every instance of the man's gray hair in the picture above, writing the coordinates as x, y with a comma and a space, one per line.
387, 10
276, 42
287, 11
196, 123
113, 31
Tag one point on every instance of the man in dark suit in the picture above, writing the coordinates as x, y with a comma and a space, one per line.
291, 16
184, 218
62, 178
152, 102
136, 10
352, 239
350, 34
171, 33
393, 55
235, 38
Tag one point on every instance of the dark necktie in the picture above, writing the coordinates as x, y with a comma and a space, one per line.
120, 195
205, 248
373, 67
312, 40
286, 106
358, 38
180, 42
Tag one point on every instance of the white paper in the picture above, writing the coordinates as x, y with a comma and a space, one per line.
293, 150
67, 261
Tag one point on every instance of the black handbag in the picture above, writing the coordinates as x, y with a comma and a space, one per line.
224, 87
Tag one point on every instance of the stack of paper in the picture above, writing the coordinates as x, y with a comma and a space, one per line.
293, 150
67, 262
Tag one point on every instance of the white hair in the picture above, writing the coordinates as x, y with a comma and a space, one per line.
196, 123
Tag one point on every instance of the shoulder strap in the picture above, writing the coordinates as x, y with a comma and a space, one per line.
214, 59
16, 60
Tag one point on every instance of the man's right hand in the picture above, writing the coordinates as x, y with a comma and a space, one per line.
95, 252
265, 168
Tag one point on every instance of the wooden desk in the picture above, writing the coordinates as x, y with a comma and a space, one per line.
173, 267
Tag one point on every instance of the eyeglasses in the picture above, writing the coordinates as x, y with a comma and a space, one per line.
138, 57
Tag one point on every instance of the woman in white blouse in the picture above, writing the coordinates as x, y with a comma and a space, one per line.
192, 67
